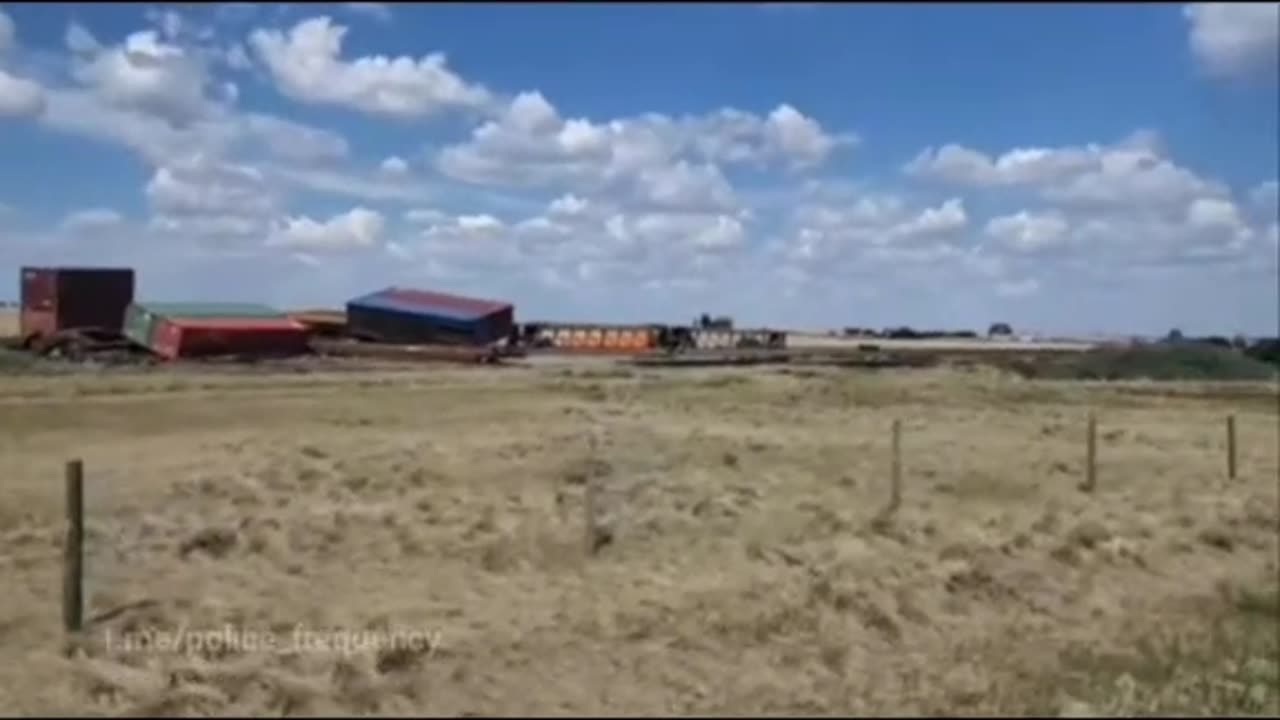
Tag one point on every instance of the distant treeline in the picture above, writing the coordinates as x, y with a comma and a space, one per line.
906, 333
1266, 350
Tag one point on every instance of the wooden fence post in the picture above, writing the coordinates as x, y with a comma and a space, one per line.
73, 551
1091, 456
884, 519
1231, 447
895, 490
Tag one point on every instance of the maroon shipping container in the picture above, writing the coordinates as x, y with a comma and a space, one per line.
198, 337
57, 299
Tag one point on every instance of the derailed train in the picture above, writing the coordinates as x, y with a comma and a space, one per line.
95, 308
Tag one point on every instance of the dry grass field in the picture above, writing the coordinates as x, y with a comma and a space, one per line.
8, 323
741, 567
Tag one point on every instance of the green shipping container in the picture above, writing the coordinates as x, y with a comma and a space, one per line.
140, 319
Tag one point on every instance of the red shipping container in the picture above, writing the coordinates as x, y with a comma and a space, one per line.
56, 299
198, 337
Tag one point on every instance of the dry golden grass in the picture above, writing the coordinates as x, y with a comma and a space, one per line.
746, 572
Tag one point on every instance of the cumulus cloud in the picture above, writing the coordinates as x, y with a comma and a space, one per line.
1235, 38
1026, 232
306, 65
932, 222
857, 231
20, 97
669, 162
567, 205
358, 228
204, 198
146, 74
1134, 172
202, 186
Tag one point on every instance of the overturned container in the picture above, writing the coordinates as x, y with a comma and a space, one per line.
399, 315
187, 337
142, 319
182, 330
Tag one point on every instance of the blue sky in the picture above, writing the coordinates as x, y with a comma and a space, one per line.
1066, 168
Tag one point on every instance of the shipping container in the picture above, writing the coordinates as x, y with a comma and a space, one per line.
57, 299
594, 338
180, 337
701, 339
398, 315
141, 319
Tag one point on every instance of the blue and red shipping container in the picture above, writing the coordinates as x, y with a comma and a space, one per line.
406, 316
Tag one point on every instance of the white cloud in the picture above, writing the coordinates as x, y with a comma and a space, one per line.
932, 222
1026, 232
567, 205
358, 228
670, 163
202, 186
394, 165
1134, 178
965, 166
91, 219
159, 142
306, 66
20, 97
477, 224
686, 186
204, 198
145, 74
1235, 38
1214, 213
799, 138
1132, 173
845, 230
